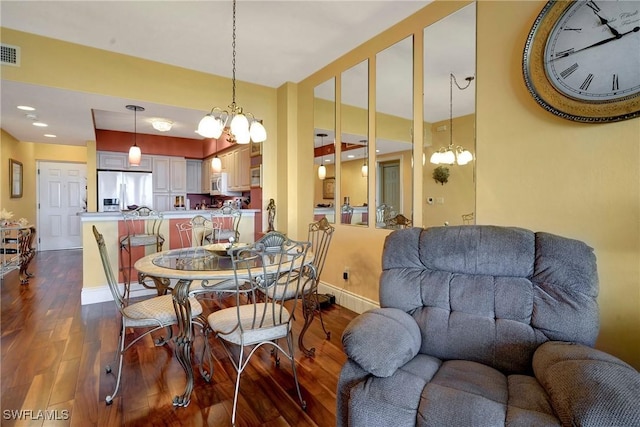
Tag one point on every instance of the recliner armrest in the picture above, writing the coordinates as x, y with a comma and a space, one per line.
587, 386
382, 340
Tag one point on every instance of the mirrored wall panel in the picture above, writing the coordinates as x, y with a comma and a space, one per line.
449, 120
394, 135
354, 144
324, 162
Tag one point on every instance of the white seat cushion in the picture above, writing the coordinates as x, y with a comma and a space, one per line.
156, 311
225, 323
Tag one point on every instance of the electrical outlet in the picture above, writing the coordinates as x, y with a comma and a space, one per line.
430, 200
345, 273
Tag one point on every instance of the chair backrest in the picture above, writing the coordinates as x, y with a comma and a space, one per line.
226, 221
320, 234
258, 270
117, 295
346, 214
491, 294
202, 230
397, 222
272, 239
143, 221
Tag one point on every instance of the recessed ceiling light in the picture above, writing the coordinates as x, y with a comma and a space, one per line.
25, 108
50, 135
350, 156
40, 124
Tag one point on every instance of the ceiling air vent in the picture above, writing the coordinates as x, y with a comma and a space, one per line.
10, 55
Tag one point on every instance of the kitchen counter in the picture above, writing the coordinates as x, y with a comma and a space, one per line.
116, 216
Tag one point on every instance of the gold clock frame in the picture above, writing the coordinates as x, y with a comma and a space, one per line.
548, 96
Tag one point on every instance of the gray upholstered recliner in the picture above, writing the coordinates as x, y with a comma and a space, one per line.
484, 326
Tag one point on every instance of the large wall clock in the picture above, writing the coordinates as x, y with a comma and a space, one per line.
582, 60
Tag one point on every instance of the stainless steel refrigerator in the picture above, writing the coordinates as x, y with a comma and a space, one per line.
119, 190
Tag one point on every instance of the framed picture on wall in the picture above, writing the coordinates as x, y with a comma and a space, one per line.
15, 178
328, 188
256, 176
256, 149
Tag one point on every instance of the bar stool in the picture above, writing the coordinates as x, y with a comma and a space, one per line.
143, 230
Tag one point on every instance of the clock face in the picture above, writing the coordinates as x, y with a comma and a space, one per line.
593, 51
582, 59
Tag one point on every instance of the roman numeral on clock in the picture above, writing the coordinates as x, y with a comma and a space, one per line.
615, 85
585, 84
566, 73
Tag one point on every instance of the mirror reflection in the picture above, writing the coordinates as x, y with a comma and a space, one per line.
394, 135
324, 151
449, 120
354, 145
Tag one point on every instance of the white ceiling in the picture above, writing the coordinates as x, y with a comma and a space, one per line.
277, 41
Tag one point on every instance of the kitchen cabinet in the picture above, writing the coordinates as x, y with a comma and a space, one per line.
194, 177
169, 181
111, 160
206, 174
237, 164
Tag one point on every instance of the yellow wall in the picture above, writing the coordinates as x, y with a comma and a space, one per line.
29, 153
534, 170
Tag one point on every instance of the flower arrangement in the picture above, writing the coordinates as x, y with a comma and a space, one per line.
5, 216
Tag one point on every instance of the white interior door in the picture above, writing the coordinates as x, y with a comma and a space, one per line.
62, 194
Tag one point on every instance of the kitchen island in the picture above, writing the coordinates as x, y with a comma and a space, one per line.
111, 226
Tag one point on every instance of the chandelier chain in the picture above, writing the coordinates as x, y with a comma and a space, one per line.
233, 58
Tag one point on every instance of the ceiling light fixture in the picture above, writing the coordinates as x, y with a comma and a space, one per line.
40, 124
135, 154
322, 170
25, 108
49, 135
241, 129
365, 167
161, 125
451, 155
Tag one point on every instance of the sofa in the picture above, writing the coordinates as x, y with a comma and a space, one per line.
483, 326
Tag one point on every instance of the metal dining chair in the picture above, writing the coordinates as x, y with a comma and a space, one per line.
346, 213
226, 221
398, 221
148, 315
142, 230
198, 231
255, 322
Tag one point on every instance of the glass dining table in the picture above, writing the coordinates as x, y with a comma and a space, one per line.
201, 269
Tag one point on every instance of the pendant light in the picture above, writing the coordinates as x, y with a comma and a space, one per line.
216, 163
243, 127
322, 170
365, 167
135, 154
451, 155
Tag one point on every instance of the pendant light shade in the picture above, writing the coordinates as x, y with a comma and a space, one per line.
322, 170
216, 164
365, 168
135, 154
243, 127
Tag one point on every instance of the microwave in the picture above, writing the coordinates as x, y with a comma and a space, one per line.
219, 185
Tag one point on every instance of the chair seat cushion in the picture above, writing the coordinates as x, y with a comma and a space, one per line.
429, 392
142, 239
225, 323
156, 311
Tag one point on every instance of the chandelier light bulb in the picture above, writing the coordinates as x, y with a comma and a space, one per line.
210, 127
257, 131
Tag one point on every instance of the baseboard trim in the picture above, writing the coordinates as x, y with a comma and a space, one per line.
100, 294
348, 299
344, 298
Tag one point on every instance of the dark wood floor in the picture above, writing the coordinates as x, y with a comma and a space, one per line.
54, 352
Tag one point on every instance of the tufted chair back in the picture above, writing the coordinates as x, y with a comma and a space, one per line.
491, 294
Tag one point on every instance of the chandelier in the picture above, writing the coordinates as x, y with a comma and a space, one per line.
451, 155
365, 167
322, 170
242, 127
134, 152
